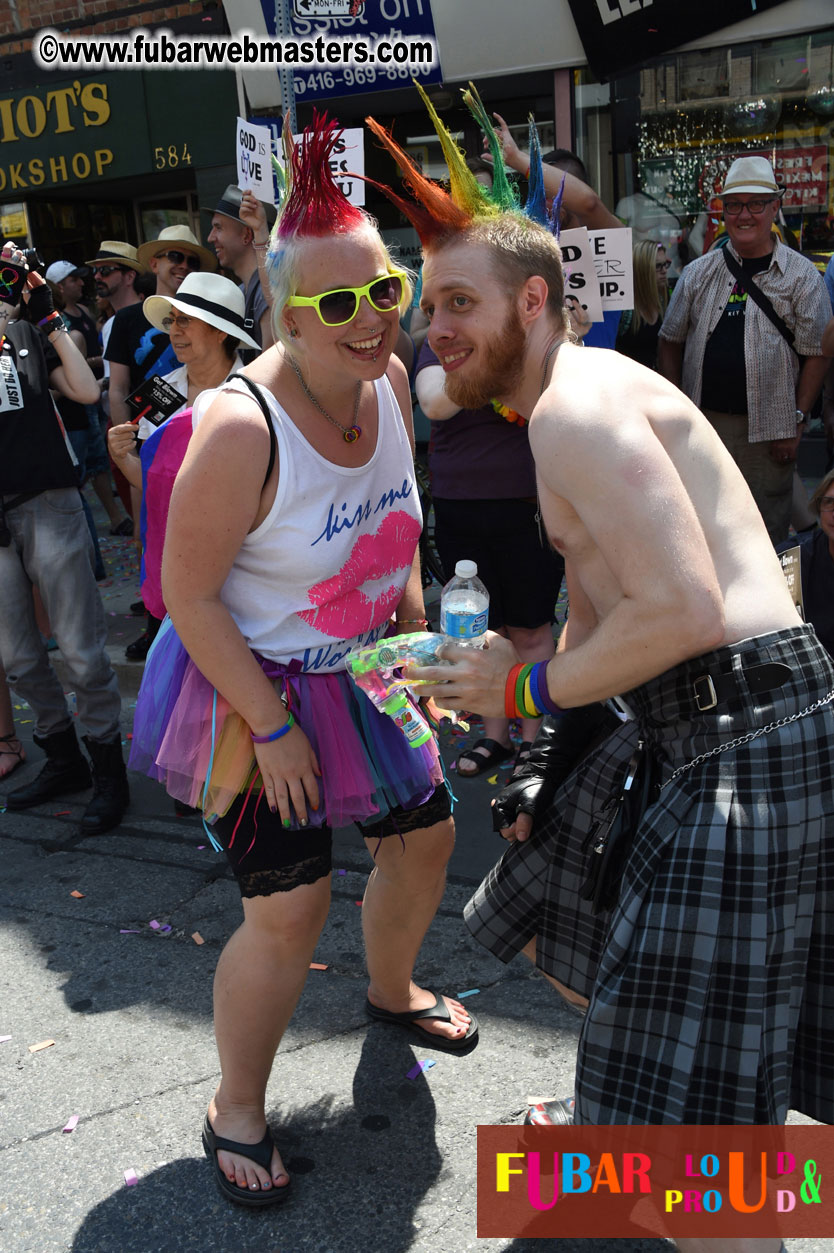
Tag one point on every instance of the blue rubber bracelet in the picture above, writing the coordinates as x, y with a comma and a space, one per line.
539, 688
276, 735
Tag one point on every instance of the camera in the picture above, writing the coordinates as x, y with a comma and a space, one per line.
33, 260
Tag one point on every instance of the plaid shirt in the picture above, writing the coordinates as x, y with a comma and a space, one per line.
798, 295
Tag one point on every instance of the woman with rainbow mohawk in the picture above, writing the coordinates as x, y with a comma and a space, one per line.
307, 550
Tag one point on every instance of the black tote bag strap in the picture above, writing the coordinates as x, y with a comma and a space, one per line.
262, 405
756, 294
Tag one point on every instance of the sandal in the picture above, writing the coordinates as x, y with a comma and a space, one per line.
495, 754
438, 1012
260, 1153
11, 752
525, 748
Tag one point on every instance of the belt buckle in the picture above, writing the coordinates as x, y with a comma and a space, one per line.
709, 700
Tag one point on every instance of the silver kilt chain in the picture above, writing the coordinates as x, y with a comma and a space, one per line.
745, 739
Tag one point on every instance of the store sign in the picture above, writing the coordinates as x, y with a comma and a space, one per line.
71, 132
619, 35
803, 172
392, 20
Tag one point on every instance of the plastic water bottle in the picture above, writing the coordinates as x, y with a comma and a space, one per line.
464, 607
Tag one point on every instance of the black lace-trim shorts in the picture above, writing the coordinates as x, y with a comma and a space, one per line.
265, 858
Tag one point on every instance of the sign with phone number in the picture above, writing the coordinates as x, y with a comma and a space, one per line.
375, 19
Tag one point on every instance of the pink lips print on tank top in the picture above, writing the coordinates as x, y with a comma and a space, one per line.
343, 609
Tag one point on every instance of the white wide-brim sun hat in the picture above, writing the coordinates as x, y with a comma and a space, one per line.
210, 298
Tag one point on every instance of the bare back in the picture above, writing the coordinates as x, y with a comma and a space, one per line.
637, 489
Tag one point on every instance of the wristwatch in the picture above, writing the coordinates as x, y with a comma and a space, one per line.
802, 417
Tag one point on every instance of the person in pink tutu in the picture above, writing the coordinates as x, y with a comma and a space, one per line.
291, 540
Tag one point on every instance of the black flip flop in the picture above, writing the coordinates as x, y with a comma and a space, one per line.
260, 1154
496, 753
438, 1012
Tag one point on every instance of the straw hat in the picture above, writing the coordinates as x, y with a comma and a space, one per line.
208, 297
750, 174
170, 237
117, 252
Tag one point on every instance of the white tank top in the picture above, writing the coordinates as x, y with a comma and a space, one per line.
324, 571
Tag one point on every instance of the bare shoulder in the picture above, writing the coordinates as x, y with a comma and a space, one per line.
231, 435
601, 407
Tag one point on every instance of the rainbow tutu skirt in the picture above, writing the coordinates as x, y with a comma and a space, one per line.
188, 737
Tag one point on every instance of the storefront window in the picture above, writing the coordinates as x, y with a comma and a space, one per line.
679, 123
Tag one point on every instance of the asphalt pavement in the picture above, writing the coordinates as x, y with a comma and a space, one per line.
123, 1008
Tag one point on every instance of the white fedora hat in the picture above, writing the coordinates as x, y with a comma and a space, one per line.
208, 298
170, 237
750, 174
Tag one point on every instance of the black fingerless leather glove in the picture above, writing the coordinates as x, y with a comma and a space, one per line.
40, 302
560, 744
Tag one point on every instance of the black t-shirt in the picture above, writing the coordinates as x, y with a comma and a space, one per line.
33, 455
138, 345
84, 323
724, 376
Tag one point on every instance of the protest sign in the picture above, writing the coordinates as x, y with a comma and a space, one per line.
612, 262
580, 274
254, 168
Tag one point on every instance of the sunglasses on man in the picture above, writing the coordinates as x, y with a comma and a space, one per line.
104, 271
176, 258
337, 307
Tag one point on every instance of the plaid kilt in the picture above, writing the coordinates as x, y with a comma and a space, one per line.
711, 982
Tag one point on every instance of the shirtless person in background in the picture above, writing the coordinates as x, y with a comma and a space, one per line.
702, 984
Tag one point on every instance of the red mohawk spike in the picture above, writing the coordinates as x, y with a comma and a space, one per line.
315, 205
435, 213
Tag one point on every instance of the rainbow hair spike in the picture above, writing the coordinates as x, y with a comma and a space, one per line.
504, 195
314, 205
435, 212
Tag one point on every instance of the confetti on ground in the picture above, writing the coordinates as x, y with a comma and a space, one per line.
199, 846
131, 1178
493, 778
153, 924
318, 965
359, 903
62, 813
72, 1123
453, 765
419, 1068
341, 872
44, 1044
79, 896
4, 1038
128, 931
470, 992
197, 938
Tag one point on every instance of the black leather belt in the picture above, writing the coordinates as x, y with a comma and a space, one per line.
710, 690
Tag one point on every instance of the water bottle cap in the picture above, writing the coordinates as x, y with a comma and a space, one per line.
466, 569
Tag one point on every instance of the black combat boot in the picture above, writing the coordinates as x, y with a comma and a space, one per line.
110, 795
66, 771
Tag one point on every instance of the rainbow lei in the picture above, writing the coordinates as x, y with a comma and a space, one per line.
508, 413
